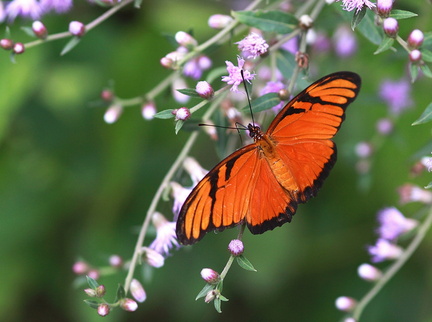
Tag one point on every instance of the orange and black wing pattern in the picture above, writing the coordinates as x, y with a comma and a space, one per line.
262, 183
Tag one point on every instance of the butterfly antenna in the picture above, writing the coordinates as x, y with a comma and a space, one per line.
247, 95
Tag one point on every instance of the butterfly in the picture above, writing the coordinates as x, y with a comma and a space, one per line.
262, 183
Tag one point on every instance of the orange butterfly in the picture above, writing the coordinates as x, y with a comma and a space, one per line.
262, 183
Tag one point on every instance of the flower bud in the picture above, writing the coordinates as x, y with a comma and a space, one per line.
94, 274
411, 193
384, 7
80, 267
185, 39
236, 247
167, 62
128, 305
18, 48
181, 114
210, 276
345, 303
204, 90
219, 21
77, 28
103, 309
107, 95
391, 27
384, 126
415, 56
415, 39
363, 149
305, 22
113, 113
6, 44
137, 291
39, 29
369, 273
90, 292
148, 110
152, 257
100, 291
211, 295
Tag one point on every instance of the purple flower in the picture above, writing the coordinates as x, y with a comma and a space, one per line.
252, 46
179, 194
2, 12
291, 45
236, 247
152, 257
345, 42
59, 6
24, 8
393, 223
137, 291
235, 78
350, 5
273, 87
383, 249
397, 95
165, 234
369, 272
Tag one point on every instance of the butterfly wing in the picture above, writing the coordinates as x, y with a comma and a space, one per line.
220, 199
304, 128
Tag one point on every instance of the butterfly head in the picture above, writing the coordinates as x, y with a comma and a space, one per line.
255, 132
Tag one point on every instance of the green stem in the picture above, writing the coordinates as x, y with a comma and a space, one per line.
88, 27
422, 230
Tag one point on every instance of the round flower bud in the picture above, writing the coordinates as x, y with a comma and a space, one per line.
137, 291
363, 149
283, 94
77, 28
369, 273
113, 113
185, 39
90, 292
204, 90
210, 276
103, 309
148, 110
94, 274
115, 261
18, 48
415, 56
305, 22
166, 62
107, 95
181, 114
39, 29
80, 267
345, 303
128, 305
391, 27
100, 291
6, 43
210, 296
236, 247
384, 7
415, 38
219, 21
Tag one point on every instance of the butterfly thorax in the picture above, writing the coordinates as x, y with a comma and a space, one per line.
255, 132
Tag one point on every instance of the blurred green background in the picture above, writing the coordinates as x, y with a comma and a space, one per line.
72, 186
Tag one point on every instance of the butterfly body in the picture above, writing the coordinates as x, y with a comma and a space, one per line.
262, 183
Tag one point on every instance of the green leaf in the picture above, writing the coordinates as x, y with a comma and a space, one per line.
426, 55
427, 42
70, 45
29, 31
429, 185
367, 28
165, 114
425, 117
92, 303
245, 263
207, 288
189, 92
178, 125
217, 304
357, 18
271, 21
413, 68
264, 102
402, 14
137, 4
386, 44
223, 298
92, 283
121, 294
285, 62
426, 70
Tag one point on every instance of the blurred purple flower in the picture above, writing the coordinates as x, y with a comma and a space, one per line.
291, 45
59, 6
273, 87
24, 8
383, 249
393, 223
345, 42
397, 95
165, 234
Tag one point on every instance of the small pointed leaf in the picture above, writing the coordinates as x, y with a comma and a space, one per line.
402, 14
92, 282
70, 45
386, 44
207, 288
92, 303
358, 17
121, 294
425, 117
245, 263
165, 114
189, 92
270, 21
